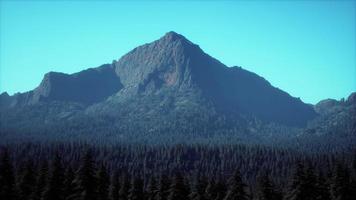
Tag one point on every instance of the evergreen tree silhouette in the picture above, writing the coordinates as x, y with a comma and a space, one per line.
85, 181
55, 185
297, 190
198, 189
41, 182
103, 183
266, 189
27, 181
340, 184
237, 188
115, 186
178, 189
136, 190
7, 177
163, 187
69, 183
152, 190
125, 187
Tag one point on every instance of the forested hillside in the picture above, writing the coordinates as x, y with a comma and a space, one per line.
79, 171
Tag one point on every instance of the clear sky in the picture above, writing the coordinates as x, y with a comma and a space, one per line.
307, 48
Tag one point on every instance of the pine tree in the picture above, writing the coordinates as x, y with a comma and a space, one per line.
125, 187
323, 189
152, 193
297, 187
136, 190
7, 177
340, 185
198, 191
69, 183
27, 181
41, 182
115, 186
266, 189
211, 190
237, 189
221, 189
55, 185
85, 181
163, 187
178, 189
103, 183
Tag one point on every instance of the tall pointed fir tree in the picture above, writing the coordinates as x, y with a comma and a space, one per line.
323, 188
266, 189
125, 187
103, 183
85, 181
221, 189
27, 181
178, 189
211, 189
341, 184
152, 189
115, 186
237, 188
198, 188
296, 188
136, 190
69, 183
7, 177
42, 176
163, 187
55, 184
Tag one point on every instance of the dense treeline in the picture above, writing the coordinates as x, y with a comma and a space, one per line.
79, 171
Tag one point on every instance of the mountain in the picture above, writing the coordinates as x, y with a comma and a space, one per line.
168, 83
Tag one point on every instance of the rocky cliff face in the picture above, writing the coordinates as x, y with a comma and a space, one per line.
177, 71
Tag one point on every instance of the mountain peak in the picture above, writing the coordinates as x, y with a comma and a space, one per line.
172, 36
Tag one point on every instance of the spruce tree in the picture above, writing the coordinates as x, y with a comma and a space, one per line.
178, 189
163, 187
266, 189
55, 184
237, 189
41, 182
125, 187
27, 181
297, 186
136, 190
340, 184
323, 188
198, 189
7, 177
115, 186
211, 190
103, 183
85, 181
152, 190
69, 183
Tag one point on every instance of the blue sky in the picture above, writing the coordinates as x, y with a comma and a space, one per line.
307, 48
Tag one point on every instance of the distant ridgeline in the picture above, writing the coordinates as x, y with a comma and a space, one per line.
170, 91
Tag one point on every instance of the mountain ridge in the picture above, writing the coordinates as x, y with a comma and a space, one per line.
180, 72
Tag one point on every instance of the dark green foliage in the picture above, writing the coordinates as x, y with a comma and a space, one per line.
199, 188
237, 188
125, 187
297, 188
266, 189
136, 190
115, 186
7, 179
41, 182
27, 181
341, 184
163, 187
85, 181
69, 183
152, 190
178, 189
103, 183
55, 186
